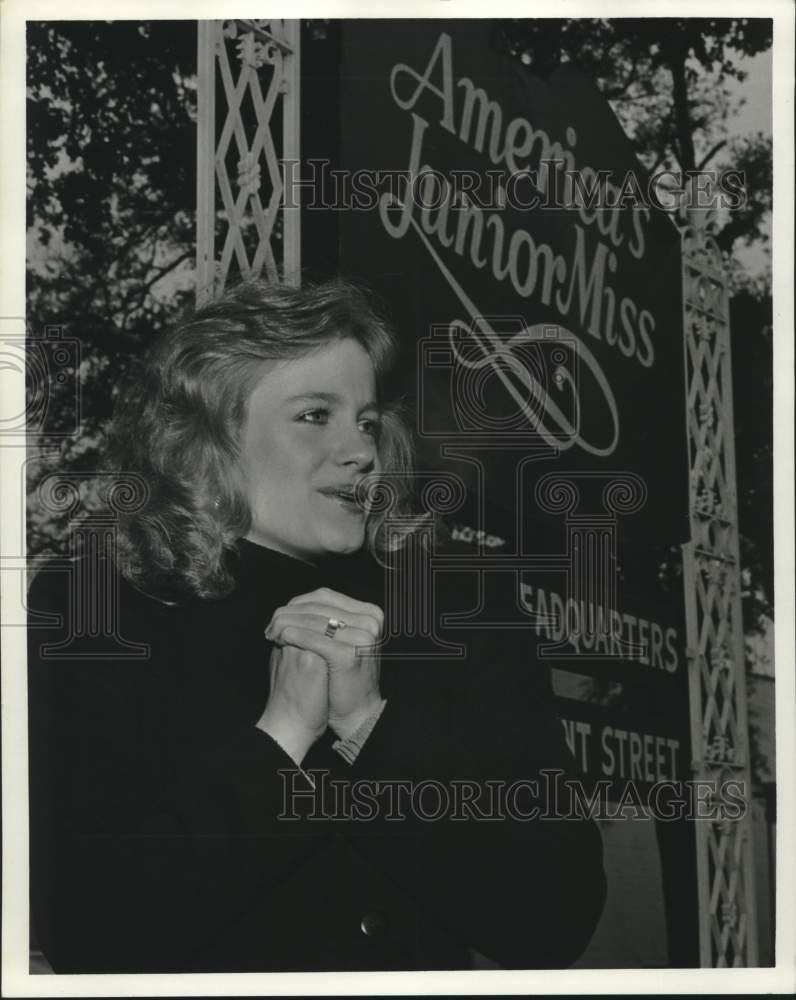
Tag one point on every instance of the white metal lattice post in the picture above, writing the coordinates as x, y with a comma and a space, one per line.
205, 162
248, 81
291, 144
714, 628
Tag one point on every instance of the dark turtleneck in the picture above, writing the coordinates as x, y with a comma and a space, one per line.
158, 837
264, 569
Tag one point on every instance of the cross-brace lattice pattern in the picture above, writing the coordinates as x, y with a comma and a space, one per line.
248, 106
719, 730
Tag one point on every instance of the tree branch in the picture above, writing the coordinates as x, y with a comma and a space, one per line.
143, 289
709, 156
618, 91
659, 160
685, 139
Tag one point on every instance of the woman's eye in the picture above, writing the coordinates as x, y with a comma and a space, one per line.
314, 417
371, 427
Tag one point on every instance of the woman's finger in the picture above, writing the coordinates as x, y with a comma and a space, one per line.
367, 623
360, 639
331, 597
336, 654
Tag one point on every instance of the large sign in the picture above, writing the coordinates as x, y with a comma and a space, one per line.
503, 218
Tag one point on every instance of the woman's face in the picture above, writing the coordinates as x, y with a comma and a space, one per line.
310, 434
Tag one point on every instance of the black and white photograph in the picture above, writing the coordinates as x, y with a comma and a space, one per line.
397, 481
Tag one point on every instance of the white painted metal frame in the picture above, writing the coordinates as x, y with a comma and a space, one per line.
244, 223
714, 629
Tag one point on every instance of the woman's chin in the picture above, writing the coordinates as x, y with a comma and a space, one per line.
345, 543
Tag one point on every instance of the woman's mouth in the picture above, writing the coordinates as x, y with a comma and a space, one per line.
346, 497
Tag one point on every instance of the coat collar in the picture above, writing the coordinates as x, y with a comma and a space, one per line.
253, 562
258, 567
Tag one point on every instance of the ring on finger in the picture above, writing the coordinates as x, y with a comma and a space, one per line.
333, 626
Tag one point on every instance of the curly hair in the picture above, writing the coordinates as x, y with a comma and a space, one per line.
180, 426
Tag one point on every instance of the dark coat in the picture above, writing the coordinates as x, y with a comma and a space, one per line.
156, 842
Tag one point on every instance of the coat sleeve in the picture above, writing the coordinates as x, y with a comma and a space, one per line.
145, 844
524, 889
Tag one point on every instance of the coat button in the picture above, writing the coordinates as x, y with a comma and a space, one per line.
374, 924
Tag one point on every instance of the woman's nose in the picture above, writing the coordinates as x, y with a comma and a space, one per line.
356, 448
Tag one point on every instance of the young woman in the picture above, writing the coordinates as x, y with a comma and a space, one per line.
252, 792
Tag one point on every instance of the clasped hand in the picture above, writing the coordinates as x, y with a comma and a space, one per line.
317, 680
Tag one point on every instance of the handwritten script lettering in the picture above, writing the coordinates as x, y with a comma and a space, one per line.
578, 287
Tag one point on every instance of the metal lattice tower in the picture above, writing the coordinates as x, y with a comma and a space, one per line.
717, 673
248, 121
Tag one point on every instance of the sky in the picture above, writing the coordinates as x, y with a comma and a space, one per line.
754, 116
756, 89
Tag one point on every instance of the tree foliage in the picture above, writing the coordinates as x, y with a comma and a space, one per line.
111, 134
631, 59
111, 192
667, 80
